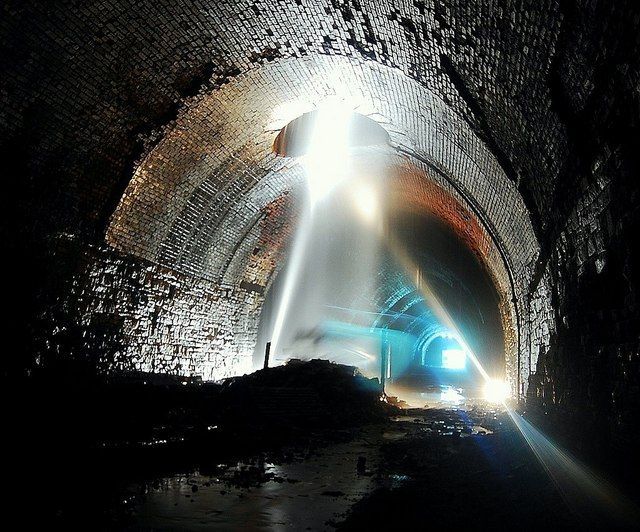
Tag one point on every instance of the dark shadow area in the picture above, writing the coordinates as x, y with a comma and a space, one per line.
143, 451
88, 438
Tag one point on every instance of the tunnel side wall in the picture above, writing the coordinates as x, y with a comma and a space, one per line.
120, 313
588, 379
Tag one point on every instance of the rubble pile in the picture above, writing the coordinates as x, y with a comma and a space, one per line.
305, 392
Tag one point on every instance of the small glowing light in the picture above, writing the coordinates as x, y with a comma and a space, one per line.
366, 202
454, 359
496, 391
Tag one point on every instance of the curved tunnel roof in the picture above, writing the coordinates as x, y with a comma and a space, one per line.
207, 88
194, 201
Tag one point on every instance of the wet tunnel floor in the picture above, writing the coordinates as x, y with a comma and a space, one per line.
427, 468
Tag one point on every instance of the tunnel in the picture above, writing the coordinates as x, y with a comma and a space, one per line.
221, 217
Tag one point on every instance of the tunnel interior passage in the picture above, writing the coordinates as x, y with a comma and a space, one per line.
198, 215
462, 285
149, 223
212, 201
359, 320
352, 299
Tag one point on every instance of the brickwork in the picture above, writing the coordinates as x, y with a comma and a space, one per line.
191, 214
589, 376
163, 111
120, 313
416, 186
171, 210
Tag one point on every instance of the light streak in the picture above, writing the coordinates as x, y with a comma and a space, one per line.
326, 161
326, 165
292, 273
424, 289
592, 499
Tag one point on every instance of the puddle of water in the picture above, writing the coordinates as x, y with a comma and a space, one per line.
264, 496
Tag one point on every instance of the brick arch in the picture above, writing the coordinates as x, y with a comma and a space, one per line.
195, 201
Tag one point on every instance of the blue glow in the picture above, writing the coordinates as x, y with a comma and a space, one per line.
454, 359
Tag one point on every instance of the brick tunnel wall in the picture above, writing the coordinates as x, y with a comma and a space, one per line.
590, 376
124, 314
187, 207
551, 89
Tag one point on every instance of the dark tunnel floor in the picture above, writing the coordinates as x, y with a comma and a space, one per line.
306, 446
435, 467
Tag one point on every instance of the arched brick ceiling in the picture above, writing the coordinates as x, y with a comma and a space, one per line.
196, 199
216, 162
92, 91
131, 65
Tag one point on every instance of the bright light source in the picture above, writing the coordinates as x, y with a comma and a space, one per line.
287, 112
496, 391
326, 159
454, 359
326, 165
366, 202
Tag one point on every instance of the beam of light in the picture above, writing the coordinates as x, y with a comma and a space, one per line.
325, 166
587, 495
596, 502
428, 294
366, 202
423, 287
432, 300
592, 499
292, 273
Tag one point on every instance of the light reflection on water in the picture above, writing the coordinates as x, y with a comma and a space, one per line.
263, 496
592, 498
